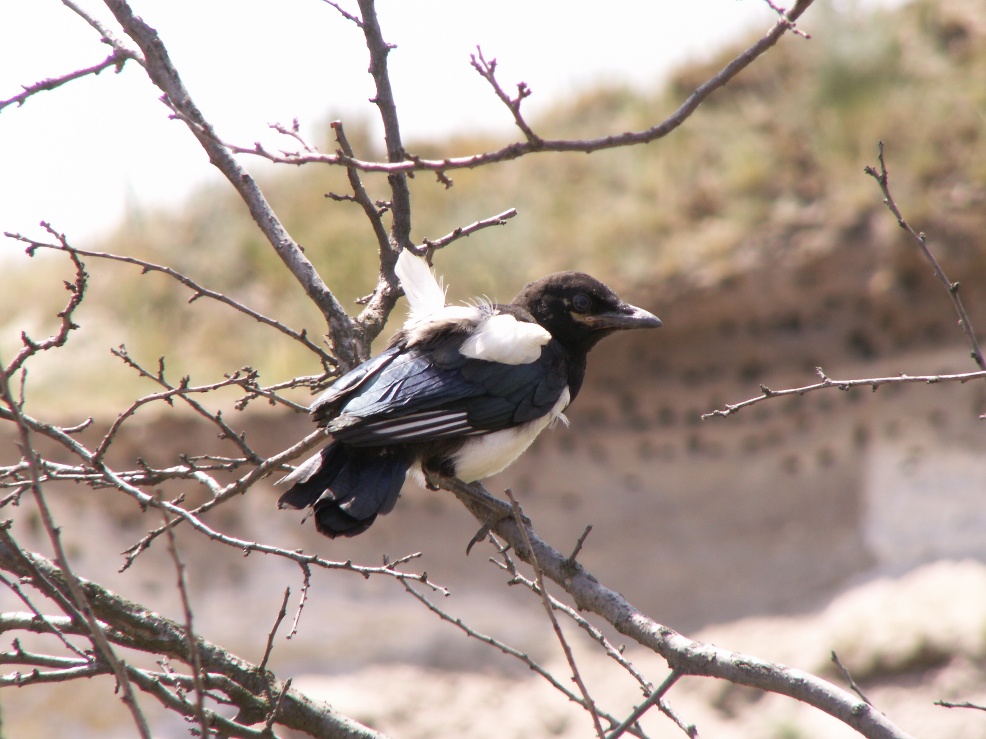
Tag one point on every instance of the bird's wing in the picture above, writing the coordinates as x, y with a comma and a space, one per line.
427, 393
326, 406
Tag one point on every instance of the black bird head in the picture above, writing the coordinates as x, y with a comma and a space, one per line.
579, 310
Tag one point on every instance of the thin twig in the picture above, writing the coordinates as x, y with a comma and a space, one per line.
963, 704
523, 148
199, 291
116, 59
655, 698
306, 584
487, 70
508, 650
827, 382
852, 683
614, 653
181, 391
463, 231
195, 657
270, 635
81, 602
883, 179
579, 544
77, 291
589, 703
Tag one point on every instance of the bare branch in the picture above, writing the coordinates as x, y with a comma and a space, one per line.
132, 626
487, 70
76, 291
277, 622
193, 646
342, 331
519, 149
828, 382
116, 59
684, 656
852, 683
883, 179
328, 362
82, 606
463, 231
588, 702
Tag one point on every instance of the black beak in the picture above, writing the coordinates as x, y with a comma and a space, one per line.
624, 317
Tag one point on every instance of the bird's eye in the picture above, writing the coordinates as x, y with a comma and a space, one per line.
581, 303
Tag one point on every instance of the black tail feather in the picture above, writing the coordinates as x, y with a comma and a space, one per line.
350, 487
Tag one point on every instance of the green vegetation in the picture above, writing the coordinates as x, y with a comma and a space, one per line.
779, 151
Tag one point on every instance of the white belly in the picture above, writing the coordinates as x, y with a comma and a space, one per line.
482, 456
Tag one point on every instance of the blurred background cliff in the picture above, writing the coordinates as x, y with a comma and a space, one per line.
852, 520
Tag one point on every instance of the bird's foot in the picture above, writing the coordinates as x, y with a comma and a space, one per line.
488, 508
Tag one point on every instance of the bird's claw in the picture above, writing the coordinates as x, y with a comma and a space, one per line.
481, 535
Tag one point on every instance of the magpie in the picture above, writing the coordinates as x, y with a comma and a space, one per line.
461, 390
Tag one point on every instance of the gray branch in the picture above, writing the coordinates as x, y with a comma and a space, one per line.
130, 625
342, 330
684, 656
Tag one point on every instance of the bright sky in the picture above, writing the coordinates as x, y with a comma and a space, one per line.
77, 156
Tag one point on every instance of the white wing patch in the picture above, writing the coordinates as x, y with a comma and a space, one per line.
502, 338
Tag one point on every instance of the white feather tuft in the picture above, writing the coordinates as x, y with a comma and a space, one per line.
423, 291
